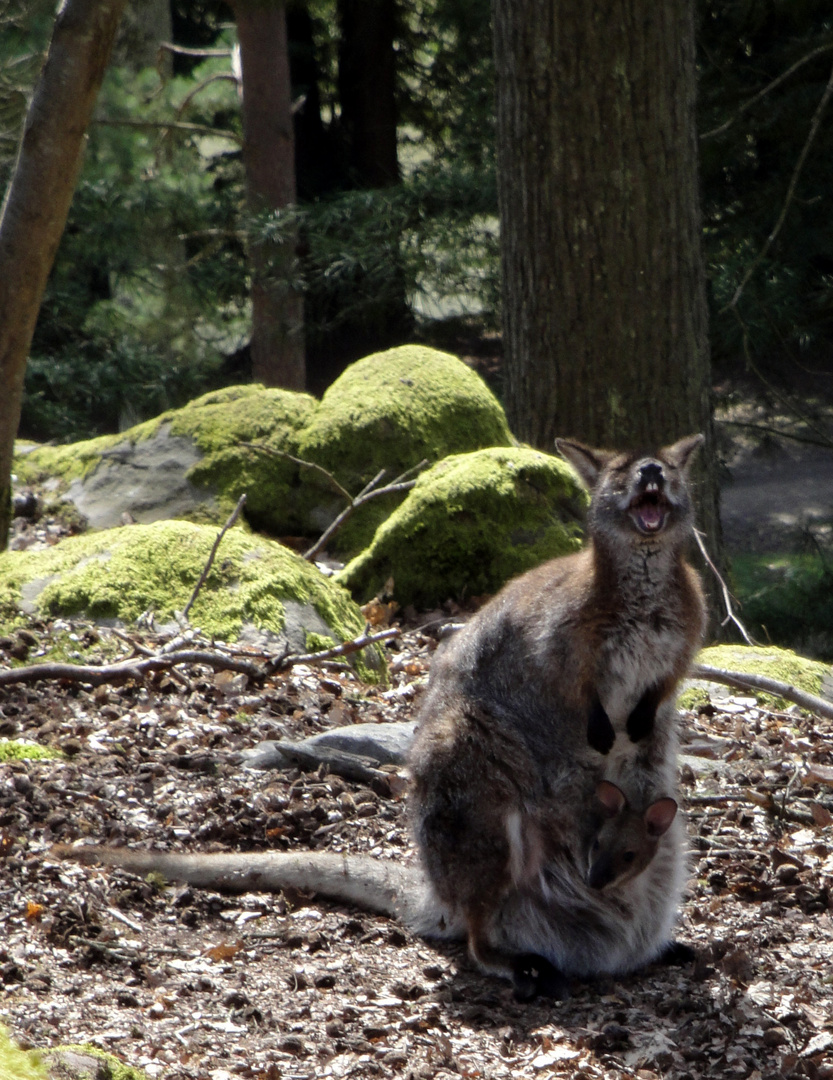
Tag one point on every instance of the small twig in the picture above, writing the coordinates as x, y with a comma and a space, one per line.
727, 599
827, 444
799, 165
181, 50
124, 919
370, 491
170, 125
233, 516
338, 650
811, 55
271, 450
776, 393
220, 76
740, 680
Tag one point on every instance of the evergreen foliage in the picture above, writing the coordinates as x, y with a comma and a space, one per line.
754, 129
148, 302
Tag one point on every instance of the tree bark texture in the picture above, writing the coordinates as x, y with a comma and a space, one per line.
604, 307
367, 90
269, 161
39, 196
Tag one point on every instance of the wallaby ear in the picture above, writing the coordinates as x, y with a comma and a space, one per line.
680, 453
611, 798
588, 463
659, 815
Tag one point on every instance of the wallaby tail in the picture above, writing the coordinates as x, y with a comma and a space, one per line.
378, 885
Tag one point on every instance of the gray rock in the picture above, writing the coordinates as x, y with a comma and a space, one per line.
145, 478
386, 744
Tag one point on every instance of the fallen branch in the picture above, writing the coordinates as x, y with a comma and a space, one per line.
356, 645
138, 667
740, 680
241, 502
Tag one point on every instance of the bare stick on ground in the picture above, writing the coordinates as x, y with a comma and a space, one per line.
233, 516
368, 492
137, 668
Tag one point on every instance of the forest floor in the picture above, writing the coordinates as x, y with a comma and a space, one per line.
190, 984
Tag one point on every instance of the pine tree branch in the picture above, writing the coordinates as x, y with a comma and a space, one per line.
799, 165
766, 90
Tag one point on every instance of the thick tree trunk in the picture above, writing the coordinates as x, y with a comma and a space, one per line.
269, 159
367, 90
604, 309
40, 193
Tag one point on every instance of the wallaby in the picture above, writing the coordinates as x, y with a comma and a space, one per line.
625, 840
565, 678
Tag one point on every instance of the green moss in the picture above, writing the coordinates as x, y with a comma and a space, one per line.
270, 418
787, 599
11, 750
390, 411
318, 642
217, 423
17, 1064
122, 573
776, 663
470, 523
116, 1069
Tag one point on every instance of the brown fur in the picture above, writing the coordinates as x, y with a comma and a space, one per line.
503, 774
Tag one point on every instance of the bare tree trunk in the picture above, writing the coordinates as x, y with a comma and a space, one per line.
39, 196
367, 89
269, 159
604, 309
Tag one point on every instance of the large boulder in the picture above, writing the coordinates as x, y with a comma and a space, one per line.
191, 463
470, 523
257, 590
812, 676
390, 411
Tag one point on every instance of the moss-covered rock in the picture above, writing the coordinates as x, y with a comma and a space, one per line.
17, 1064
12, 750
470, 523
188, 463
257, 589
387, 411
809, 675
86, 1062
390, 411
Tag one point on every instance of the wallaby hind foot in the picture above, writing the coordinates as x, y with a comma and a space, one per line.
534, 976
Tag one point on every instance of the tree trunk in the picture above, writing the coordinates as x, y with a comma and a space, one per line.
604, 308
39, 196
367, 90
269, 159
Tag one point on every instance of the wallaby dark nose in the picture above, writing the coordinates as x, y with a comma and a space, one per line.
651, 473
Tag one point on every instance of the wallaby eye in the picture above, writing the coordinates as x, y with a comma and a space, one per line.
629, 856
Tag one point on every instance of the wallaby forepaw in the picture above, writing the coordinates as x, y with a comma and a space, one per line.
534, 975
676, 953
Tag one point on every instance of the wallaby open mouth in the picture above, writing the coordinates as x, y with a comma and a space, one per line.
649, 508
